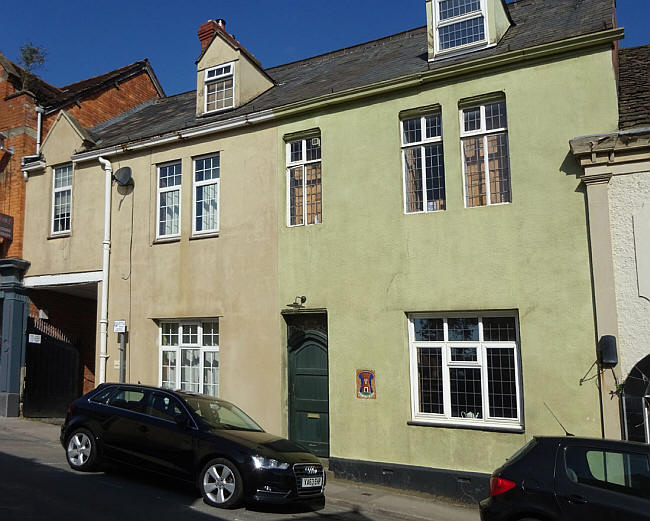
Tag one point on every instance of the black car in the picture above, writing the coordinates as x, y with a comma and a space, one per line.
189, 436
570, 478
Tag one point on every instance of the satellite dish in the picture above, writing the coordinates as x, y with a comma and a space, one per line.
123, 176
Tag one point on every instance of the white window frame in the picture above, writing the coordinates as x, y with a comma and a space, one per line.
421, 144
196, 184
181, 345
302, 162
55, 190
207, 80
172, 188
446, 419
482, 131
438, 23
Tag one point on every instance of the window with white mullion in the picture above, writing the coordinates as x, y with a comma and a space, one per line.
423, 163
460, 24
169, 199
206, 194
61, 199
304, 187
485, 153
189, 356
465, 369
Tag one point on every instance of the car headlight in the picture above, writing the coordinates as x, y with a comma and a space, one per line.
269, 463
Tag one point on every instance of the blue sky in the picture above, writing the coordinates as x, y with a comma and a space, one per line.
107, 35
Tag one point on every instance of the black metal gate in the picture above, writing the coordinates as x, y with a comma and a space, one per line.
51, 371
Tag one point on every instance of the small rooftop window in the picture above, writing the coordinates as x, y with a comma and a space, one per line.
459, 24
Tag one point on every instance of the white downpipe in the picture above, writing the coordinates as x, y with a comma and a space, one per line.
103, 321
39, 128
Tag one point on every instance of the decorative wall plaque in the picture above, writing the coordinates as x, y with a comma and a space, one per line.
366, 383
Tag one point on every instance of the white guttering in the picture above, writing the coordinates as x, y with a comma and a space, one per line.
39, 127
103, 321
210, 128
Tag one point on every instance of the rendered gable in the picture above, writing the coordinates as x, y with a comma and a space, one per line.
66, 137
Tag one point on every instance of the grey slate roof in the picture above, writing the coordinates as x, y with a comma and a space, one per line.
634, 87
535, 22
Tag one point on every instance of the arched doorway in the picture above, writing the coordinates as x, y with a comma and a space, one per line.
309, 391
636, 403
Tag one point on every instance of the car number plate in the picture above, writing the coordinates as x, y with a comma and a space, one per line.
312, 482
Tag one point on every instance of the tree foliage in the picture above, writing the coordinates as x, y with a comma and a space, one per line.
32, 57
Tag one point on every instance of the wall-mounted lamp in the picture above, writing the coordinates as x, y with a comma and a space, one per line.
298, 303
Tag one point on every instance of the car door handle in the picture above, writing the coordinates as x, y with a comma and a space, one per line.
577, 500
143, 428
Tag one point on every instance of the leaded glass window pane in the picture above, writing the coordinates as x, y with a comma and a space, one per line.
429, 329
430, 380
466, 394
412, 130
474, 171
495, 116
499, 329
313, 193
499, 164
413, 174
502, 388
452, 8
435, 177
463, 329
461, 33
296, 195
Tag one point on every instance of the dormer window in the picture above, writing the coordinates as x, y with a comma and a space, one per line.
219, 87
459, 24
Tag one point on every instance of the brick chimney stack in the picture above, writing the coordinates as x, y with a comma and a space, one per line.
207, 30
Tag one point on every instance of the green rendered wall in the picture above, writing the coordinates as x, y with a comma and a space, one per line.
368, 263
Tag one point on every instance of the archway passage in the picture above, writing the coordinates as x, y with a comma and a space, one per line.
636, 403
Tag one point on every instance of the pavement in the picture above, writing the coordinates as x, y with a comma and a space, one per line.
31, 458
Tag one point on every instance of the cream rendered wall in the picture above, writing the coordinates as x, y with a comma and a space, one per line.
368, 263
628, 194
82, 249
232, 276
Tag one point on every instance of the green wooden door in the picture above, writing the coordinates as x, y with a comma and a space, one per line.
308, 393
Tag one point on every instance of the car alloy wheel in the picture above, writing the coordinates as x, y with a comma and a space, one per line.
81, 452
221, 484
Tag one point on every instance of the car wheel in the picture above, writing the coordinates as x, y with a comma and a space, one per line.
221, 484
81, 450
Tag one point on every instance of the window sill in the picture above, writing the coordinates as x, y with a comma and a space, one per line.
166, 240
198, 236
513, 429
58, 236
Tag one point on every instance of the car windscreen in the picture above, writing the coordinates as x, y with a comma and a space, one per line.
218, 414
